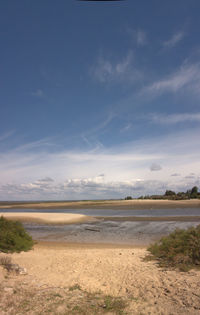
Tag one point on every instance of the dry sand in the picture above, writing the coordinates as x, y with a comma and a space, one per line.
114, 270
50, 218
105, 204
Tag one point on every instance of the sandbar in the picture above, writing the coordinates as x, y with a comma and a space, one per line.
49, 218
104, 204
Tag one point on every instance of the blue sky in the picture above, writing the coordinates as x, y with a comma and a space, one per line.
98, 100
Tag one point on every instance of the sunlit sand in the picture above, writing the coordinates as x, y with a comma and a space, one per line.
58, 218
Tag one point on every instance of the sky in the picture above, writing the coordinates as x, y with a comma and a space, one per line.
98, 100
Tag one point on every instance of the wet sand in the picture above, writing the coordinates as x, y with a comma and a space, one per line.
152, 219
105, 204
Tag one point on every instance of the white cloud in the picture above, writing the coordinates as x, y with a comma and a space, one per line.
81, 188
187, 77
101, 173
93, 188
174, 40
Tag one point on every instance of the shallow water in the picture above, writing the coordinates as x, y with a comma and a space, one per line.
118, 213
118, 232
123, 232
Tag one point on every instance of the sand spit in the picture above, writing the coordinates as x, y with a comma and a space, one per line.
50, 218
105, 204
117, 271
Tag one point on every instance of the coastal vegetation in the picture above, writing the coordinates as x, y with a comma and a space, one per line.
172, 195
28, 299
13, 237
180, 249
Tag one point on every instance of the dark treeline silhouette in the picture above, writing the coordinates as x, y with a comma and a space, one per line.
170, 194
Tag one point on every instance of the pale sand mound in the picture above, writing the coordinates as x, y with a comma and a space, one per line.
46, 217
118, 271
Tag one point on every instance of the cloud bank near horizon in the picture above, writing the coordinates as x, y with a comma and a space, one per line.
134, 168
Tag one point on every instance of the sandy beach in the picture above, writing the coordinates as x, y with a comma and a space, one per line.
112, 270
49, 218
53, 268
104, 204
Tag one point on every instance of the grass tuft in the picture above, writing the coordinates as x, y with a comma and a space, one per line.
75, 287
114, 304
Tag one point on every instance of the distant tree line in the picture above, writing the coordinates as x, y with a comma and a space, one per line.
170, 194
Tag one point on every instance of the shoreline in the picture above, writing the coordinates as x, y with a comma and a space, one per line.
56, 245
153, 219
104, 204
71, 218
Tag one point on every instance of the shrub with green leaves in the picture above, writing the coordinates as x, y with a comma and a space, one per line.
180, 249
13, 237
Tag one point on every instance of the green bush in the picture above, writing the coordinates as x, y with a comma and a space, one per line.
13, 237
180, 249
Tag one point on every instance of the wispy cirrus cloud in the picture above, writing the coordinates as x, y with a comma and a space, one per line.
138, 36
174, 40
105, 70
6, 135
126, 128
141, 37
187, 77
175, 118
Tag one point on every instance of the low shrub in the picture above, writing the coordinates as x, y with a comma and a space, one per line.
13, 237
180, 249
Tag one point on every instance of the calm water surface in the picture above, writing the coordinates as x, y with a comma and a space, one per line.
121, 232
118, 213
